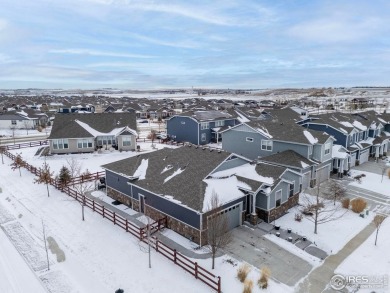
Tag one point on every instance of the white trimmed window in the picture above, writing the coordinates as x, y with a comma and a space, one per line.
249, 139
291, 190
219, 123
84, 143
278, 198
266, 145
204, 125
13, 122
327, 149
60, 144
105, 140
203, 137
126, 141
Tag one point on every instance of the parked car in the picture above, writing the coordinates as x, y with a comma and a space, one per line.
161, 135
143, 121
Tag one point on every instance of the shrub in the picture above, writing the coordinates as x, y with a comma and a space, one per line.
264, 277
298, 217
248, 286
243, 272
358, 205
345, 203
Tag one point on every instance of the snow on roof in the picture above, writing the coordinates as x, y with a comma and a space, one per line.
140, 173
177, 172
96, 133
264, 132
381, 120
310, 137
346, 124
226, 188
304, 165
373, 125
246, 171
22, 113
358, 125
343, 130
242, 118
338, 153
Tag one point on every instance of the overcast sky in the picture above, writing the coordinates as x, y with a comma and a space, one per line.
169, 44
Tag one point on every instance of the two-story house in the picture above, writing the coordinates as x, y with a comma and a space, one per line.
201, 127
179, 183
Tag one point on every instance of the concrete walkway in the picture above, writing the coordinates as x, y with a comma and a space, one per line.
318, 279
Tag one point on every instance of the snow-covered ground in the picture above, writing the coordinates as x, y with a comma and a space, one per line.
99, 257
372, 182
370, 260
7, 133
331, 236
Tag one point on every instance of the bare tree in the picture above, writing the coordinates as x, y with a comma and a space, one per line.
26, 124
378, 220
319, 209
152, 136
18, 163
83, 187
45, 176
218, 234
334, 190
74, 167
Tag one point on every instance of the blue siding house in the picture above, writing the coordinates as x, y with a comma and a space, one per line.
200, 127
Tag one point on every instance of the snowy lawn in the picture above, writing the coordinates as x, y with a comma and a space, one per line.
370, 260
372, 182
7, 133
99, 257
331, 236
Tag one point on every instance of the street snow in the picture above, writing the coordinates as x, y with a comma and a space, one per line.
373, 182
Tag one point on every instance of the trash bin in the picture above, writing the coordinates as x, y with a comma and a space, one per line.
277, 234
367, 212
289, 239
304, 238
288, 230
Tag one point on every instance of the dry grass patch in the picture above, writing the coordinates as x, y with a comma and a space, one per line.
243, 272
358, 205
248, 286
264, 278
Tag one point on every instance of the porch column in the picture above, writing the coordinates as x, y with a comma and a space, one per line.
253, 214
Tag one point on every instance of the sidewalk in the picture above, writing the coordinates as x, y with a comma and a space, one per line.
318, 279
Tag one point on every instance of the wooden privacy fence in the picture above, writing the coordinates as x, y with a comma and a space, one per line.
25, 145
177, 258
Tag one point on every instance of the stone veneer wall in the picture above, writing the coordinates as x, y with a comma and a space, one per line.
172, 223
275, 213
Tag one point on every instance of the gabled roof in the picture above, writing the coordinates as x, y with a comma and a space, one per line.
69, 126
288, 158
173, 172
210, 115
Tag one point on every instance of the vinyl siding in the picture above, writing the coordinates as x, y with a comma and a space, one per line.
341, 138
183, 132
72, 148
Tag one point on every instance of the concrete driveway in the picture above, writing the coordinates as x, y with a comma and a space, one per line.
250, 246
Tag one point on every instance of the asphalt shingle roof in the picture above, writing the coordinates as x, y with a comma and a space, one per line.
187, 187
288, 158
65, 125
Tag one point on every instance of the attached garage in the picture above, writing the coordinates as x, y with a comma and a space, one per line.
323, 173
233, 215
364, 156
352, 160
306, 180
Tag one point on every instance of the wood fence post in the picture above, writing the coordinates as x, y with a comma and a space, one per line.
93, 205
103, 211
174, 256
196, 270
157, 244
219, 284
114, 219
127, 226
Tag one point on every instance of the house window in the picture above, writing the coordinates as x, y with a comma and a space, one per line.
249, 139
59, 144
203, 137
13, 122
219, 123
204, 125
327, 149
278, 198
361, 136
291, 190
105, 140
266, 145
126, 141
84, 143
183, 122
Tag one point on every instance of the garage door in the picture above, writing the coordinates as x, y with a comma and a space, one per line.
353, 160
233, 215
305, 180
323, 173
364, 157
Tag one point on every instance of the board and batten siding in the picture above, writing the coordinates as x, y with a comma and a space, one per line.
341, 138
132, 145
166, 206
285, 187
183, 128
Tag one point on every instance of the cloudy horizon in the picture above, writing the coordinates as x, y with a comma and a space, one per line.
129, 44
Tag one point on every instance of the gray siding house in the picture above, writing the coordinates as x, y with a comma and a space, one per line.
178, 183
81, 133
200, 127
